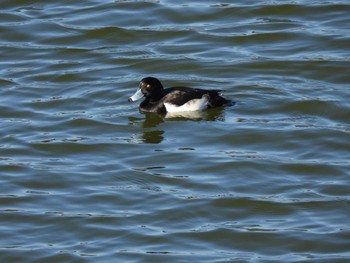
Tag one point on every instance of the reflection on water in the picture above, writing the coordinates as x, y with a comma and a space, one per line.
154, 137
152, 120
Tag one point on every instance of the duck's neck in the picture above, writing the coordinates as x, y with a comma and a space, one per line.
157, 96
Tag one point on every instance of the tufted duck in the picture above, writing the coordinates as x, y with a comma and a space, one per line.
176, 99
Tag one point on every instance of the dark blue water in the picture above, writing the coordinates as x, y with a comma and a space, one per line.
86, 177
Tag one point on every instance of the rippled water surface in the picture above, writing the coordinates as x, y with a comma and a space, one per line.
86, 177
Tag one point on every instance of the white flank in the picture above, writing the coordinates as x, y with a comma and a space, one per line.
191, 115
192, 105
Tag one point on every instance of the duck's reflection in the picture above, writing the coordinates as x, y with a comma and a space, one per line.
153, 137
152, 120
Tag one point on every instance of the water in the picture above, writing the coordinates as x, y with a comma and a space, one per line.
86, 177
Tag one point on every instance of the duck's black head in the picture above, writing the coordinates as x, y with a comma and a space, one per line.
150, 88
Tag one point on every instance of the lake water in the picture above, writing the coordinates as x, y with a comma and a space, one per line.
86, 177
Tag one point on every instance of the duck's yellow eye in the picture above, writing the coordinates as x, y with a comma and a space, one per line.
148, 86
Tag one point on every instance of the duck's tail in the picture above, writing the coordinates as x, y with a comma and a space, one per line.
216, 99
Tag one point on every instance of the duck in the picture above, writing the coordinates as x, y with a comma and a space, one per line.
175, 99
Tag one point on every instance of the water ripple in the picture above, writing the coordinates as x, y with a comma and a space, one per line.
86, 177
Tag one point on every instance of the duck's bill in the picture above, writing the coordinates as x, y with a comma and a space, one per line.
138, 95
